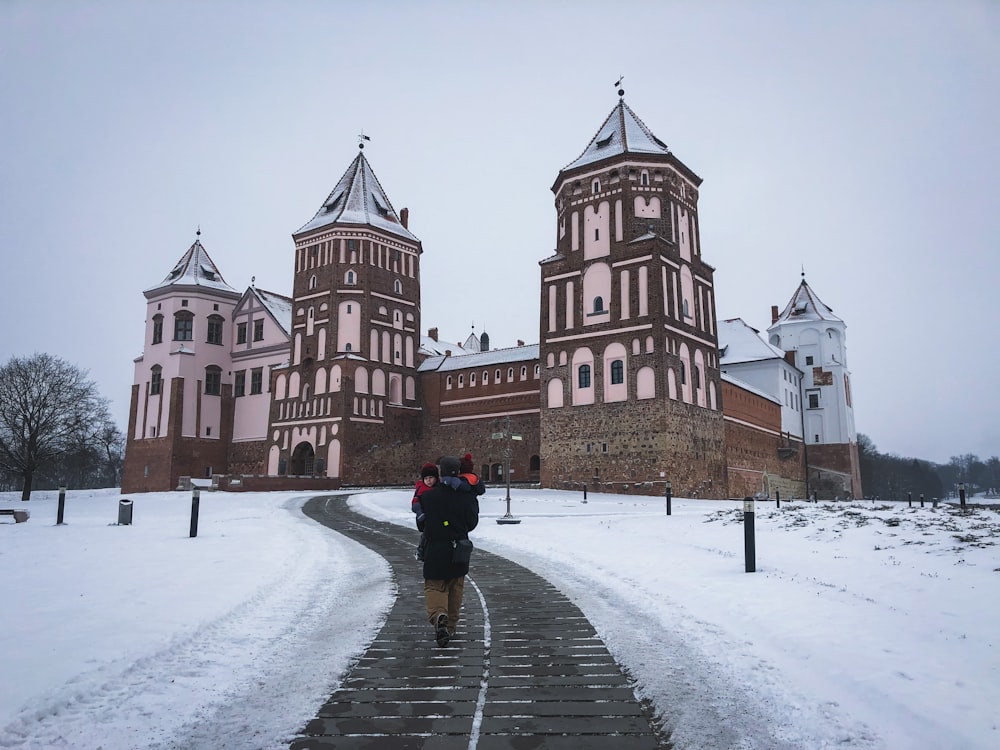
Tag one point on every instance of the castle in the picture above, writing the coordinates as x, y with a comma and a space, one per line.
634, 383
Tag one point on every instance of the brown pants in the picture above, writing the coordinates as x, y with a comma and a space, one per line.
444, 598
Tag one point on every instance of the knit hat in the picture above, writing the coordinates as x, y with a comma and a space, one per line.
467, 467
450, 466
429, 470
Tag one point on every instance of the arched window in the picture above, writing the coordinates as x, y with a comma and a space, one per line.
312, 282
644, 178
596, 187
583, 376
183, 326
598, 304
155, 380
213, 380
398, 286
157, 329
684, 377
617, 372
349, 279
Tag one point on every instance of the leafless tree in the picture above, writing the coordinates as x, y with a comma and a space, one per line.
46, 406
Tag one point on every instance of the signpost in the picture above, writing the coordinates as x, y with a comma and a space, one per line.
507, 436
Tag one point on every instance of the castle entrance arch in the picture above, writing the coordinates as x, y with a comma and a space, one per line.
303, 460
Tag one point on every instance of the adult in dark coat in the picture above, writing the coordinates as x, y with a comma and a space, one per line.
449, 515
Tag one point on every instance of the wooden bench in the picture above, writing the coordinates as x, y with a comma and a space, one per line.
20, 516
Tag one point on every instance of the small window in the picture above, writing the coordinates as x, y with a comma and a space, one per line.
809, 360
461, 381
398, 286
447, 382
156, 381
644, 178
157, 329
486, 377
617, 372
349, 279
596, 187
241, 333
312, 282
258, 330
813, 397
240, 383
496, 377
684, 373
213, 381
583, 376
208, 431
257, 380
524, 371
685, 309
510, 374
598, 304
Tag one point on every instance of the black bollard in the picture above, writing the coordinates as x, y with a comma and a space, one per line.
777, 498
62, 506
921, 499
195, 502
749, 543
909, 499
585, 492
670, 494
961, 494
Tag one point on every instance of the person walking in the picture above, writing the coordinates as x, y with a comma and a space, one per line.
449, 516
429, 476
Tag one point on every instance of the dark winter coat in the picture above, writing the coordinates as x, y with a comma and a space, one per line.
449, 515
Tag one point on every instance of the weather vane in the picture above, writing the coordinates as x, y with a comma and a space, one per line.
618, 84
362, 138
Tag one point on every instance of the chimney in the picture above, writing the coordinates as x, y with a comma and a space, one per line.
447, 352
774, 314
432, 332
520, 343
404, 217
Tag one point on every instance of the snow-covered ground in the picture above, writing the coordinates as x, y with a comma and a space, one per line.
865, 626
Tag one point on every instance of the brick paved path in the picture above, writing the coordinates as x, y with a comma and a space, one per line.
526, 669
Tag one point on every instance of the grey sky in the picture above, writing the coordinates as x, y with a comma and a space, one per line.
856, 139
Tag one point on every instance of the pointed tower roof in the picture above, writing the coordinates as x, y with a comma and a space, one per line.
359, 199
805, 306
195, 268
622, 132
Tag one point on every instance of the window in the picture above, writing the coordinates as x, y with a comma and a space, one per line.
684, 374
697, 376
349, 279
156, 381
398, 286
240, 383
813, 397
157, 329
644, 178
809, 360
257, 380
213, 380
215, 329
183, 327
598, 304
583, 376
241, 333
596, 187
258, 329
312, 282
617, 372
510, 374
685, 309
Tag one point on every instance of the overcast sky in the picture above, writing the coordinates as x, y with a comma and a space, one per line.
856, 140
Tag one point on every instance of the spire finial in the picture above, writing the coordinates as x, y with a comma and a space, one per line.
198, 232
803, 271
362, 138
253, 280
618, 84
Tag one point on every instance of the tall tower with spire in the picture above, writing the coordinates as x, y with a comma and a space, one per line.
346, 407
815, 340
629, 356
180, 418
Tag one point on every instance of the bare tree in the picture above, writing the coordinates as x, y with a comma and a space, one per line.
47, 407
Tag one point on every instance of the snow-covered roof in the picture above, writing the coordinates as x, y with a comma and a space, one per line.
480, 359
805, 306
279, 306
359, 199
195, 268
622, 132
434, 347
747, 387
738, 342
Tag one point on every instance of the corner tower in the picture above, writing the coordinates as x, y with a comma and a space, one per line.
815, 339
629, 356
347, 406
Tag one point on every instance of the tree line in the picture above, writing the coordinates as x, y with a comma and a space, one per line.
55, 428
891, 477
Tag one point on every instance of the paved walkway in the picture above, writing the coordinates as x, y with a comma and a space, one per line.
526, 669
